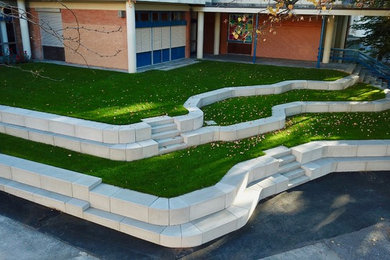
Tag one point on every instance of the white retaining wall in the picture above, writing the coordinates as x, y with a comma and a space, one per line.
194, 218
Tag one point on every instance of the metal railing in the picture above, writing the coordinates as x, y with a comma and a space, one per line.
377, 68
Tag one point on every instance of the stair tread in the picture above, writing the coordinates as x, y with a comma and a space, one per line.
172, 147
287, 159
298, 181
166, 134
289, 167
294, 173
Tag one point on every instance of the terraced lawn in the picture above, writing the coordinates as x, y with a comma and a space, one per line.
187, 170
242, 109
121, 98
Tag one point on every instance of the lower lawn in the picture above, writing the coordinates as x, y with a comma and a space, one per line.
121, 98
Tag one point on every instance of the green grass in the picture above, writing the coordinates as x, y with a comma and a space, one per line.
191, 169
242, 109
121, 98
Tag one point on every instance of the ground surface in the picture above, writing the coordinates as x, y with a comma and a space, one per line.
306, 215
122, 98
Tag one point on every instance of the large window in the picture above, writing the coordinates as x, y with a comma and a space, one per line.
240, 28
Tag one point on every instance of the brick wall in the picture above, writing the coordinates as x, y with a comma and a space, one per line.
98, 49
35, 35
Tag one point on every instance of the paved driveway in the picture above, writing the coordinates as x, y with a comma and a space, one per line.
331, 206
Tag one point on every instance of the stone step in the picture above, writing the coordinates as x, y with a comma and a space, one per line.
165, 135
172, 147
159, 120
170, 141
298, 181
163, 128
278, 152
287, 159
357, 70
294, 173
289, 167
43, 197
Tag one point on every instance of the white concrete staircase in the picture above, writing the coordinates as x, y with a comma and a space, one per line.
291, 168
367, 77
166, 134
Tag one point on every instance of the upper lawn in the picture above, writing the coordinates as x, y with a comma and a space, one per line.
242, 109
121, 98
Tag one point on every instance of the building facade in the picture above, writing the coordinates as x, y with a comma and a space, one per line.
126, 35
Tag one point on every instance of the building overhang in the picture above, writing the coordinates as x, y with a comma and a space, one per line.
299, 11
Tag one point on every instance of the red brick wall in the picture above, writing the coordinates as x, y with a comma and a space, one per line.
101, 43
208, 40
35, 35
293, 40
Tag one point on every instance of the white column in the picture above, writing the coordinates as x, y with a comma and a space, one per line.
131, 42
4, 36
199, 45
24, 27
217, 30
328, 39
344, 32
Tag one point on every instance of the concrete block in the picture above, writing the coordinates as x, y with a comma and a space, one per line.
95, 149
191, 138
191, 235
364, 106
126, 134
318, 85
382, 164
320, 167
118, 152
208, 134
133, 152
184, 123
247, 129
171, 236
351, 165
41, 137
280, 181
17, 131
141, 230
20, 190
5, 171
143, 131
149, 148
198, 119
27, 176
37, 123
293, 108
265, 90
308, 152
268, 187
340, 149
132, 204
99, 197
50, 199
2, 128
76, 207
315, 107
63, 125
83, 185
216, 225
270, 124
339, 107
111, 134
59, 183
90, 130
3, 183
372, 148
281, 87
204, 202
230, 192
179, 211
159, 212
216, 96
103, 218
228, 133
244, 91
242, 215
67, 143
265, 167
236, 177
14, 116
